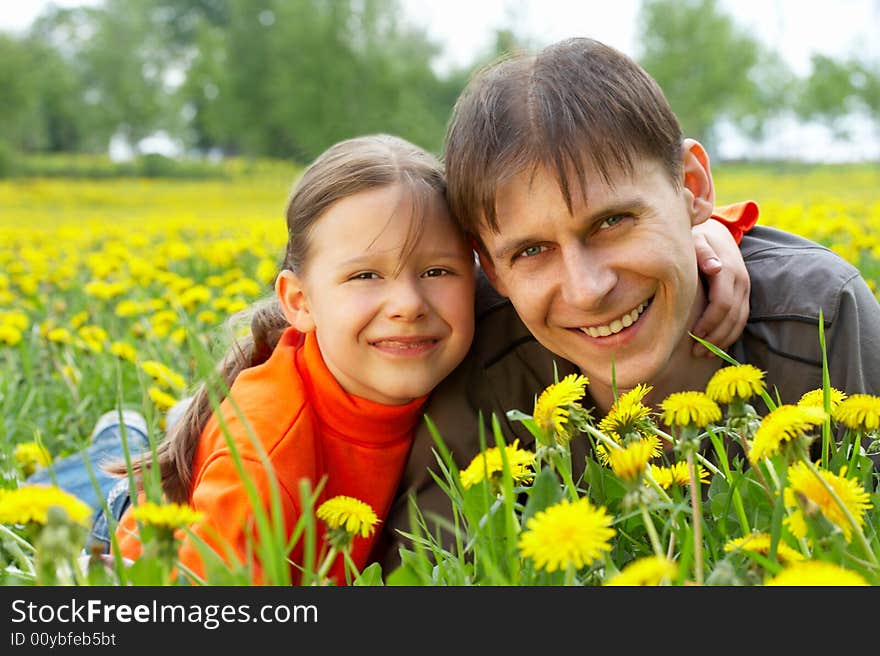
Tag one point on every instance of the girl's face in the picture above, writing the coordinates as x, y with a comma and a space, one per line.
389, 331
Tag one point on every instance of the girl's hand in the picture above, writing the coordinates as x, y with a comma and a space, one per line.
720, 260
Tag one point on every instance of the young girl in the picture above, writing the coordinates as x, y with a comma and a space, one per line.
376, 301
374, 307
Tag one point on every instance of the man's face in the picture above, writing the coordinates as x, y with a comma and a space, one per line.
614, 282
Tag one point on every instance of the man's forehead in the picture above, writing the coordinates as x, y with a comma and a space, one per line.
583, 189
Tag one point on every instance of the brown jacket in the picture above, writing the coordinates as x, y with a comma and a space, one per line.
791, 279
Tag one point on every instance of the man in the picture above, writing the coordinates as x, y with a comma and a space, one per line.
570, 171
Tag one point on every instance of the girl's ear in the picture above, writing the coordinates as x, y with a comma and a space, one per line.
697, 181
291, 293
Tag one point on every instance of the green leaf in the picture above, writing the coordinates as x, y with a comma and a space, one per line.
528, 422
372, 575
404, 575
545, 492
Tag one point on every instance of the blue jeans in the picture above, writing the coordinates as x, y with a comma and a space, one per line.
118, 499
72, 475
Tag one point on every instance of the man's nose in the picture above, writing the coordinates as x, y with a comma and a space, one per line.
406, 300
587, 279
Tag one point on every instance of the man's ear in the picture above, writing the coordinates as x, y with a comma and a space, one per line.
697, 181
291, 293
489, 268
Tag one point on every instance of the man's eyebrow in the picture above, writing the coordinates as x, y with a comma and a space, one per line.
634, 205
509, 248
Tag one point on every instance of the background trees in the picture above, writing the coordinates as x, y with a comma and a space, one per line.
284, 78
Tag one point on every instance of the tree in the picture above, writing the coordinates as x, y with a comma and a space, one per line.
710, 68
302, 75
838, 89
282, 78
18, 91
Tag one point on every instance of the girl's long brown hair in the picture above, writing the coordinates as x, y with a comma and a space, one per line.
347, 168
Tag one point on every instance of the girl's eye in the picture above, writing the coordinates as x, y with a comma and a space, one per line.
435, 273
366, 275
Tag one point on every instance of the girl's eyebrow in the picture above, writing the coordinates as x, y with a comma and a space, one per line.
370, 258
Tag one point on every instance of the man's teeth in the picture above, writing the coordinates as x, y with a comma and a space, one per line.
617, 325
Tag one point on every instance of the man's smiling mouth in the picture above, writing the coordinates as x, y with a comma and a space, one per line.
616, 325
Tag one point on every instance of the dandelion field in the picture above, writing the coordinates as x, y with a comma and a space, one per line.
116, 291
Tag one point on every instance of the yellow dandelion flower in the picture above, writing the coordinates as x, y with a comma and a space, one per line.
178, 335
627, 414
193, 296
267, 269
166, 515
9, 334
781, 426
29, 456
647, 571
551, 413
489, 465
128, 308
631, 461
802, 482
236, 305
79, 319
31, 503
567, 534
93, 333
162, 374
71, 374
603, 452
207, 317
164, 318
816, 573
677, 474
352, 515
859, 412
816, 398
737, 382
15, 318
163, 400
59, 336
124, 351
243, 287
690, 409
760, 543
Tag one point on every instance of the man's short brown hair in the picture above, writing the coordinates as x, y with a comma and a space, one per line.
574, 104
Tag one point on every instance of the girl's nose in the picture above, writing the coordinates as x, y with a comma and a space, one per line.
406, 300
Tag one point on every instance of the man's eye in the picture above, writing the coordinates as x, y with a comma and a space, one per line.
612, 221
530, 251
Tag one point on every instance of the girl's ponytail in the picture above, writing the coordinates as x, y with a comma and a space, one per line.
176, 452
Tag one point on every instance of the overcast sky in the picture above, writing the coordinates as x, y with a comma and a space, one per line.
795, 28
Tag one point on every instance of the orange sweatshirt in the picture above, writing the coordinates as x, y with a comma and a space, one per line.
310, 428
738, 217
